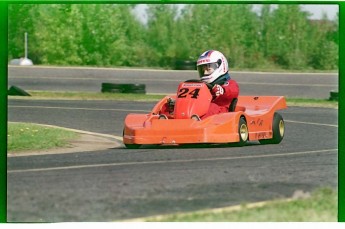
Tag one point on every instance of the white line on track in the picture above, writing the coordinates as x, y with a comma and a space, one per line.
79, 131
311, 123
172, 161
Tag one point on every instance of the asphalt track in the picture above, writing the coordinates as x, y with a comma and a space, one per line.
121, 184
301, 85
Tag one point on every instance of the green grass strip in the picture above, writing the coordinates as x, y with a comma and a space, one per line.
312, 102
26, 136
320, 206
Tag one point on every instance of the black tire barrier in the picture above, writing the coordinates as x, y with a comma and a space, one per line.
14, 90
334, 96
185, 65
123, 88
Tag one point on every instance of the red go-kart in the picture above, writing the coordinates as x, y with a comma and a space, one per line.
250, 118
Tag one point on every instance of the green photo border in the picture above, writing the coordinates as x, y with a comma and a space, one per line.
3, 112
3, 87
341, 117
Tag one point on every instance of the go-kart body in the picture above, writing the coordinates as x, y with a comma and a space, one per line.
193, 98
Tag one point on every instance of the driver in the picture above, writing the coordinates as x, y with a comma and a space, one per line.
213, 68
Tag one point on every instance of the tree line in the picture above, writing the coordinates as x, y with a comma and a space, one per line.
281, 37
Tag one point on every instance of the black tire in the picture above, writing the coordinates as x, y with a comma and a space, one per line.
14, 90
334, 96
134, 86
123, 88
111, 86
123, 91
185, 65
137, 91
109, 90
132, 146
243, 132
278, 128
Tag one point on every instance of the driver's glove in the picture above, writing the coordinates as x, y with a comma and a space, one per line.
217, 90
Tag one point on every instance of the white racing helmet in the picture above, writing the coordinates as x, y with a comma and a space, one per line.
211, 65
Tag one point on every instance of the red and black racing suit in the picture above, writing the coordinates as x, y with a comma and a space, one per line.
221, 103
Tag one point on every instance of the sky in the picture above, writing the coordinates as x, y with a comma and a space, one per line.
315, 10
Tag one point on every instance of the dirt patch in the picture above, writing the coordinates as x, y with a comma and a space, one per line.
85, 143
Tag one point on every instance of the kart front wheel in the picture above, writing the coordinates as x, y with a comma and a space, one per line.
132, 146
278, 128
243, 132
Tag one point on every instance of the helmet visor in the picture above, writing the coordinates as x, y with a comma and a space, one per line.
207, 69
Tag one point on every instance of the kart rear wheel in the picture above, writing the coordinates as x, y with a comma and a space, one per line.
243, 132
278, 128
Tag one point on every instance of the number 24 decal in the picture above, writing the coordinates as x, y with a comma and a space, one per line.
183, 92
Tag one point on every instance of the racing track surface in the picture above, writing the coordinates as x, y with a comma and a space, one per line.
120, 184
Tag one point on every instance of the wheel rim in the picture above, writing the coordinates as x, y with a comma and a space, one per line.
281, 128
244, 132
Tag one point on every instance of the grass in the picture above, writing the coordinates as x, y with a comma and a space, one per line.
312, 102
151, 97
321, 206
25, 136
